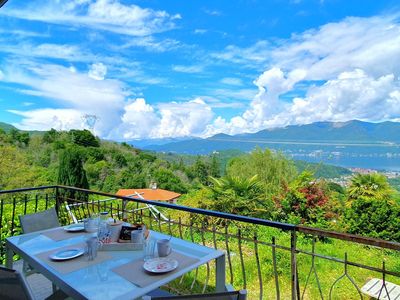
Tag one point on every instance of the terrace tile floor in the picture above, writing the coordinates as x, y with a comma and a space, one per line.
41, 287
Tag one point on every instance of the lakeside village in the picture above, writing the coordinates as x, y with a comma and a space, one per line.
345, 179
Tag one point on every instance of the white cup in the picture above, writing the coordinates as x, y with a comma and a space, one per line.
164, 247
114, 228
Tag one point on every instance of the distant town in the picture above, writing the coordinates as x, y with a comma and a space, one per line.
345, 179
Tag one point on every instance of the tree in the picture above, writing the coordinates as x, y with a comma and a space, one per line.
240, 186
71, 173
119, 159
84, 138
50, 136
128, 179
238, 195
379, 219
3, 136
215, 170
166, 179
200, 171
16, 170
373, 186
19, 137
273, 169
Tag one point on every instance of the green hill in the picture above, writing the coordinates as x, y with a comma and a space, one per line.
320, 170
6, 127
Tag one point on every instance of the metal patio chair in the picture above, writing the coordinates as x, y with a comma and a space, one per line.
231, 295
35, 222
39, 221
13, 286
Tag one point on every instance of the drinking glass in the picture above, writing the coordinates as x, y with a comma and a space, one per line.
92, 224
92, 245
148, 249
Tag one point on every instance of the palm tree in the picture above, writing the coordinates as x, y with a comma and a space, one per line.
240, 186
373, 186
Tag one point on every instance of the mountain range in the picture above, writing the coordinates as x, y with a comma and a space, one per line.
325, 133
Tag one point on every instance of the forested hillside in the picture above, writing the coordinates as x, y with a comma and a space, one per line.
33, 160
320, 170
261, 184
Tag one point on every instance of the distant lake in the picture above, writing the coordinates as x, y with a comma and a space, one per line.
379, 157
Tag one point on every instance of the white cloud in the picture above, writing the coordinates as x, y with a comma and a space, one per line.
97, 71
139, 119
200, 31
184, 119
44, 119
188, 69
71, 90
371, 44
215, 102
150, 43
232, 81
251, 56
118, 116
67, 85
213, 12
237, 94
355, 61
22, 33
173, 119
109, 15
352, 95
66, 52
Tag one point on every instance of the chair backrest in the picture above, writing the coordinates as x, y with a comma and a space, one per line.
39, 221
234, 295
13, 286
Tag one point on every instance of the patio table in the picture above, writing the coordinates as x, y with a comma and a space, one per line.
98, 281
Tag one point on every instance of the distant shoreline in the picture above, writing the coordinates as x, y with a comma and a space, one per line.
331, 143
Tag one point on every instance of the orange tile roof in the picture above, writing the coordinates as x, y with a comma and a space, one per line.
150, 194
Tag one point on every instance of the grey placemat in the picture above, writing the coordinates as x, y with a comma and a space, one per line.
59, 234
135, 273
68, 266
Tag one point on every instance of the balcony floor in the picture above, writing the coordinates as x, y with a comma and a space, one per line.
41, 287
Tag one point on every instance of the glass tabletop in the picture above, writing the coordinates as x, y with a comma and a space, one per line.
98, 281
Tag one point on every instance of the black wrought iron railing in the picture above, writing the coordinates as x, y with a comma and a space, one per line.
271, 260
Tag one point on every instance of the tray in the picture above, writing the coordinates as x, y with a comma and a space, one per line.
121, 246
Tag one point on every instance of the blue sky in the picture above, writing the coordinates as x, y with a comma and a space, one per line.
161, 69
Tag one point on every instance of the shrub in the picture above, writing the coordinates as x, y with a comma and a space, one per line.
379, 219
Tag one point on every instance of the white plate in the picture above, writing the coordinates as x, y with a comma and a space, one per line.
160, 265
75, 227
67, 254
